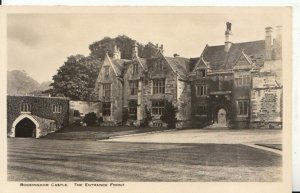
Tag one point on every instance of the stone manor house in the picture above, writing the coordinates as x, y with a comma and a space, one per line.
235, 85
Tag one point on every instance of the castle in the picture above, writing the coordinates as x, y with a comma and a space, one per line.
235, 85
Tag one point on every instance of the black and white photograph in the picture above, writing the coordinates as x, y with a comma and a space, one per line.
173, 94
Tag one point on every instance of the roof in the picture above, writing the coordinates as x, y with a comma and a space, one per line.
41, 119
118, 65
180, 65
143, 62
243, 62
218, 59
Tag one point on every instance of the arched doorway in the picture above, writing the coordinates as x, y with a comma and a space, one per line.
25, 128
222, 117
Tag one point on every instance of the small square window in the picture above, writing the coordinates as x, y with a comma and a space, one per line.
106, 68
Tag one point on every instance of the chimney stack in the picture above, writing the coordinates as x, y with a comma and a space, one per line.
135, 50
278, 43
228, 33
161, 48
116, 53
268, 43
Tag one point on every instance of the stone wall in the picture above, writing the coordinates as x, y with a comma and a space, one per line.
83, 107
266, 102
130, 75
116, 92
170, 77
183, 102
40, 106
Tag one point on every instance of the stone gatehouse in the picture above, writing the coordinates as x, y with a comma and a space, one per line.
235, 85
32, 116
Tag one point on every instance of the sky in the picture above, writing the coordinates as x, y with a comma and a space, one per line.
40, 43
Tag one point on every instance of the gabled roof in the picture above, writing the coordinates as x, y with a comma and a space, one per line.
180, 65
142, 62
201, 64
243, 62
117, 65
218, 59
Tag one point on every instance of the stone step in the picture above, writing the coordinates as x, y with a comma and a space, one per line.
216, 126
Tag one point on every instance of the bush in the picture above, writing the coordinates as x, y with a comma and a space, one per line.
76, 113
100, 119
147, 118
169, 115
90, 119
125, 116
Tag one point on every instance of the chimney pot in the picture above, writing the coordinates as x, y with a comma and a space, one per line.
228, 33
268, 43
135, 50
116, 53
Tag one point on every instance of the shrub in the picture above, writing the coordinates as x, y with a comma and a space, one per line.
90, 118
147, 118
100, 119
125, 116
169, 114
76, 113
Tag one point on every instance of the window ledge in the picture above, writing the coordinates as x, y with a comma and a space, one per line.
200, 115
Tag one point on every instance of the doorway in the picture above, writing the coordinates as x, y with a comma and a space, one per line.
222, 117
25, 128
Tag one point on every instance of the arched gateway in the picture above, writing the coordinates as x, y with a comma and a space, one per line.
222, 117
25, 126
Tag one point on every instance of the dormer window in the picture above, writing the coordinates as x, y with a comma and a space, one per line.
242, 80
159, 66
133, 87
201, 73
106, 68
158, 86
106, 91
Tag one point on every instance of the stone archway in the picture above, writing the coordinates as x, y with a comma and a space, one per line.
221, 117
25, 126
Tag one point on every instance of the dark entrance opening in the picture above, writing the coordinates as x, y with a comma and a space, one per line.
25, 128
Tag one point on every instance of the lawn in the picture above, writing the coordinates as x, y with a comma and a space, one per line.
71, 160
98, 132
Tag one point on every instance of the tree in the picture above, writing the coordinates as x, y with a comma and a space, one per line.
169, 114
99, 48
76, 78
90, 119
149, 50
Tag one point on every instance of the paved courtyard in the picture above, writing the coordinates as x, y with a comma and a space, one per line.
191, 155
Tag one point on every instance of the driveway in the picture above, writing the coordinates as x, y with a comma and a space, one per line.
224, 136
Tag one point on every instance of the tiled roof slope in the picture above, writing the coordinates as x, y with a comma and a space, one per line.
180, 65
218, 59
118, 65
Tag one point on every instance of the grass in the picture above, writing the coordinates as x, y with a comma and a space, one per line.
272, 146
98, 132
71, 160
